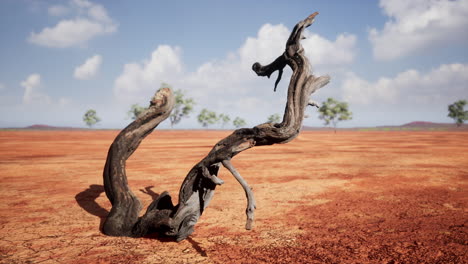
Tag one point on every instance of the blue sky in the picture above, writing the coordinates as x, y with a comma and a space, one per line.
393, 61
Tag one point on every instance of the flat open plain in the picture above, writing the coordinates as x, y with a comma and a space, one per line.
349, 197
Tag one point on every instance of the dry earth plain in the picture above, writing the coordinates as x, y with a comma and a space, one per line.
349, 197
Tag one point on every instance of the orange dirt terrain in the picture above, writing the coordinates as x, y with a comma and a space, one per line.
349, 197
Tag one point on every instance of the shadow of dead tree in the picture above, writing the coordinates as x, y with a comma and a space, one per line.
87, 200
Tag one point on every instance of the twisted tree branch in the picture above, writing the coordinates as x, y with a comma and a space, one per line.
123, 216
198, 187
251, 206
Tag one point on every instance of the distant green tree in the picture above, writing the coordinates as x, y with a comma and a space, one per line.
333, 111
91, 118
182, 108
207, 117
457, 112
239, 122
225, 119
135, 111
275, 118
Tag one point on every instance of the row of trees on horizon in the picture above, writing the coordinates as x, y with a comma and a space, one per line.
331, 112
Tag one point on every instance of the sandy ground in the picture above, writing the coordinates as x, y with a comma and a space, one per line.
350, 197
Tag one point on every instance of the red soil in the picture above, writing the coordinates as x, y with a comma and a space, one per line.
350, 197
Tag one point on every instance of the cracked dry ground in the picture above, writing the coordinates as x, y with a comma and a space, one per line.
350, 197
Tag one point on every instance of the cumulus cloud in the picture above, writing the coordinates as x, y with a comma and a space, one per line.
237, 89
31, 94
91, 21
266, 46
88, 69
165, 63
322, 51
271, 39
139, 78
58, 10
445, 84
418, 25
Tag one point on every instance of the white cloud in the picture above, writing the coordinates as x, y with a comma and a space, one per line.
443, 85
58, 10
229, 85
264, 48
357, 90
138, 79
271, 39
31, 94
418, 25
88, 69
2, 86
322, 51
91, 21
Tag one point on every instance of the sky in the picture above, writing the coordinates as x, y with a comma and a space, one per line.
392, 61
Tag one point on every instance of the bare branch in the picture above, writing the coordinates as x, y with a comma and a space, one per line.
210, 176
251, 206
313, 103
125, 205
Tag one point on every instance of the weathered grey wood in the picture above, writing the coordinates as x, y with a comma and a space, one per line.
251, 205
123, 216
199, 185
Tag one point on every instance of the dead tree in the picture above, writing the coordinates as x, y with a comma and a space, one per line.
200, 183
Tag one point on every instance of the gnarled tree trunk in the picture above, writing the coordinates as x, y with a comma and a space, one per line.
198, 186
